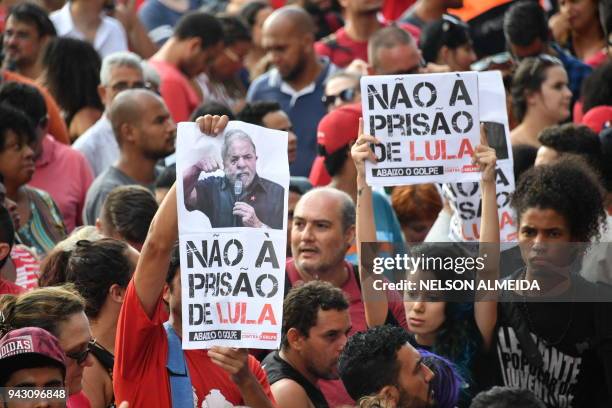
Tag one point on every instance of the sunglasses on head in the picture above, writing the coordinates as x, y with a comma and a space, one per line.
346, 96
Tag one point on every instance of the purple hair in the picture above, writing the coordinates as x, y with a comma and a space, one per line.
447, 383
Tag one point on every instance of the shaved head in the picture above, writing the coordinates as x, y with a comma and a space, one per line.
293, 17
128, 108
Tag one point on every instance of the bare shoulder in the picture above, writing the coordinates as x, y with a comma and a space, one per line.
290, 394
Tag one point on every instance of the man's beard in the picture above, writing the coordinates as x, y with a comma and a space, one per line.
156, 154
296, 71
408, 401
328, 375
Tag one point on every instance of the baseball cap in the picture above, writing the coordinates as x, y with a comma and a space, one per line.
598, 118
27, 343
337, 129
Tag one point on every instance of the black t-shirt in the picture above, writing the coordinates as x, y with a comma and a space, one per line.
278, 369
573, 356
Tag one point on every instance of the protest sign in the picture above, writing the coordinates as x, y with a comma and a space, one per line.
464, 197
427, 125
232, 206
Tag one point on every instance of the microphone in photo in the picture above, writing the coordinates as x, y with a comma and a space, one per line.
237, 194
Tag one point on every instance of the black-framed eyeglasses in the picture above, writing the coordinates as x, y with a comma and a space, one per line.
345, 96
81, 356
123, 85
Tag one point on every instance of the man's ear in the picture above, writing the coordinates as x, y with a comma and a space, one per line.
194, 45
443, 55
5, 250
295, 339
349, 236
166, 293
117, 293
102, 93
391, 394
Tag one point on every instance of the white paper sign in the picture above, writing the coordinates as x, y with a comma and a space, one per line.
232, 207
464, 198
427, 125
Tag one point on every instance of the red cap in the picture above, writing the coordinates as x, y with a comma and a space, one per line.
339, 128
598, 118
26, 341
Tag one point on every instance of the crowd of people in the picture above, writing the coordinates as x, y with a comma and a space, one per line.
91, 93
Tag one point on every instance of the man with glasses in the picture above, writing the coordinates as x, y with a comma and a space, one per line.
120, 71
527, 35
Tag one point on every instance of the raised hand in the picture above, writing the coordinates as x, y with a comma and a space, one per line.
361, 151
233, 360
485, 157
212, 124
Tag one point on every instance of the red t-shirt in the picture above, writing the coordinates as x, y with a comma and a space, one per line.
9, 288
342, 49
334, 390
78, 400
180, 97
141, 348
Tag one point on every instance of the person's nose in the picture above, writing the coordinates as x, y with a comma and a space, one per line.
419, 306
88, 362
308, 233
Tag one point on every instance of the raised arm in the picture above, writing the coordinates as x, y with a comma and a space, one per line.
485, 312
375, 303
152, 267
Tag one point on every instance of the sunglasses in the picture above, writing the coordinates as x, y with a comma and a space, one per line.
81, 356
414, 70
346, 96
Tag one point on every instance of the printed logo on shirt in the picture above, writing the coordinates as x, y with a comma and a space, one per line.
215, 399
554, 383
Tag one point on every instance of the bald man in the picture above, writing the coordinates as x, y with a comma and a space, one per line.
145, 133
296, 82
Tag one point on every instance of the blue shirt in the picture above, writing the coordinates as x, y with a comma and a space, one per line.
304, 108
159, 19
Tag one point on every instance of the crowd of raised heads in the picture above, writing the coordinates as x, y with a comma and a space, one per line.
91, 93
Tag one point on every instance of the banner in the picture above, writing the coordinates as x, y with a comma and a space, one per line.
232, 207
464, 198
427, 125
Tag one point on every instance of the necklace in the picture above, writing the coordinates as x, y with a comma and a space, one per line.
531, 324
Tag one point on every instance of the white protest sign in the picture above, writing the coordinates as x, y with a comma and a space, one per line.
232, 208
427, 125
464, 198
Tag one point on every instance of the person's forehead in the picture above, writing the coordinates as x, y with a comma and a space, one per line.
74, 332
37, 375
398, 58
338, 84
408, 356
332, 320
319, 206
544, 218
240, 146
125, 72
276, 119
153, 106
15, 23
279, 32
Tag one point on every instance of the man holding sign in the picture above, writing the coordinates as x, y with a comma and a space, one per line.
239, 199
146, 372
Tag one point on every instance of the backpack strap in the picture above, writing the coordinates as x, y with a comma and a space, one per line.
513, 315
180, 382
